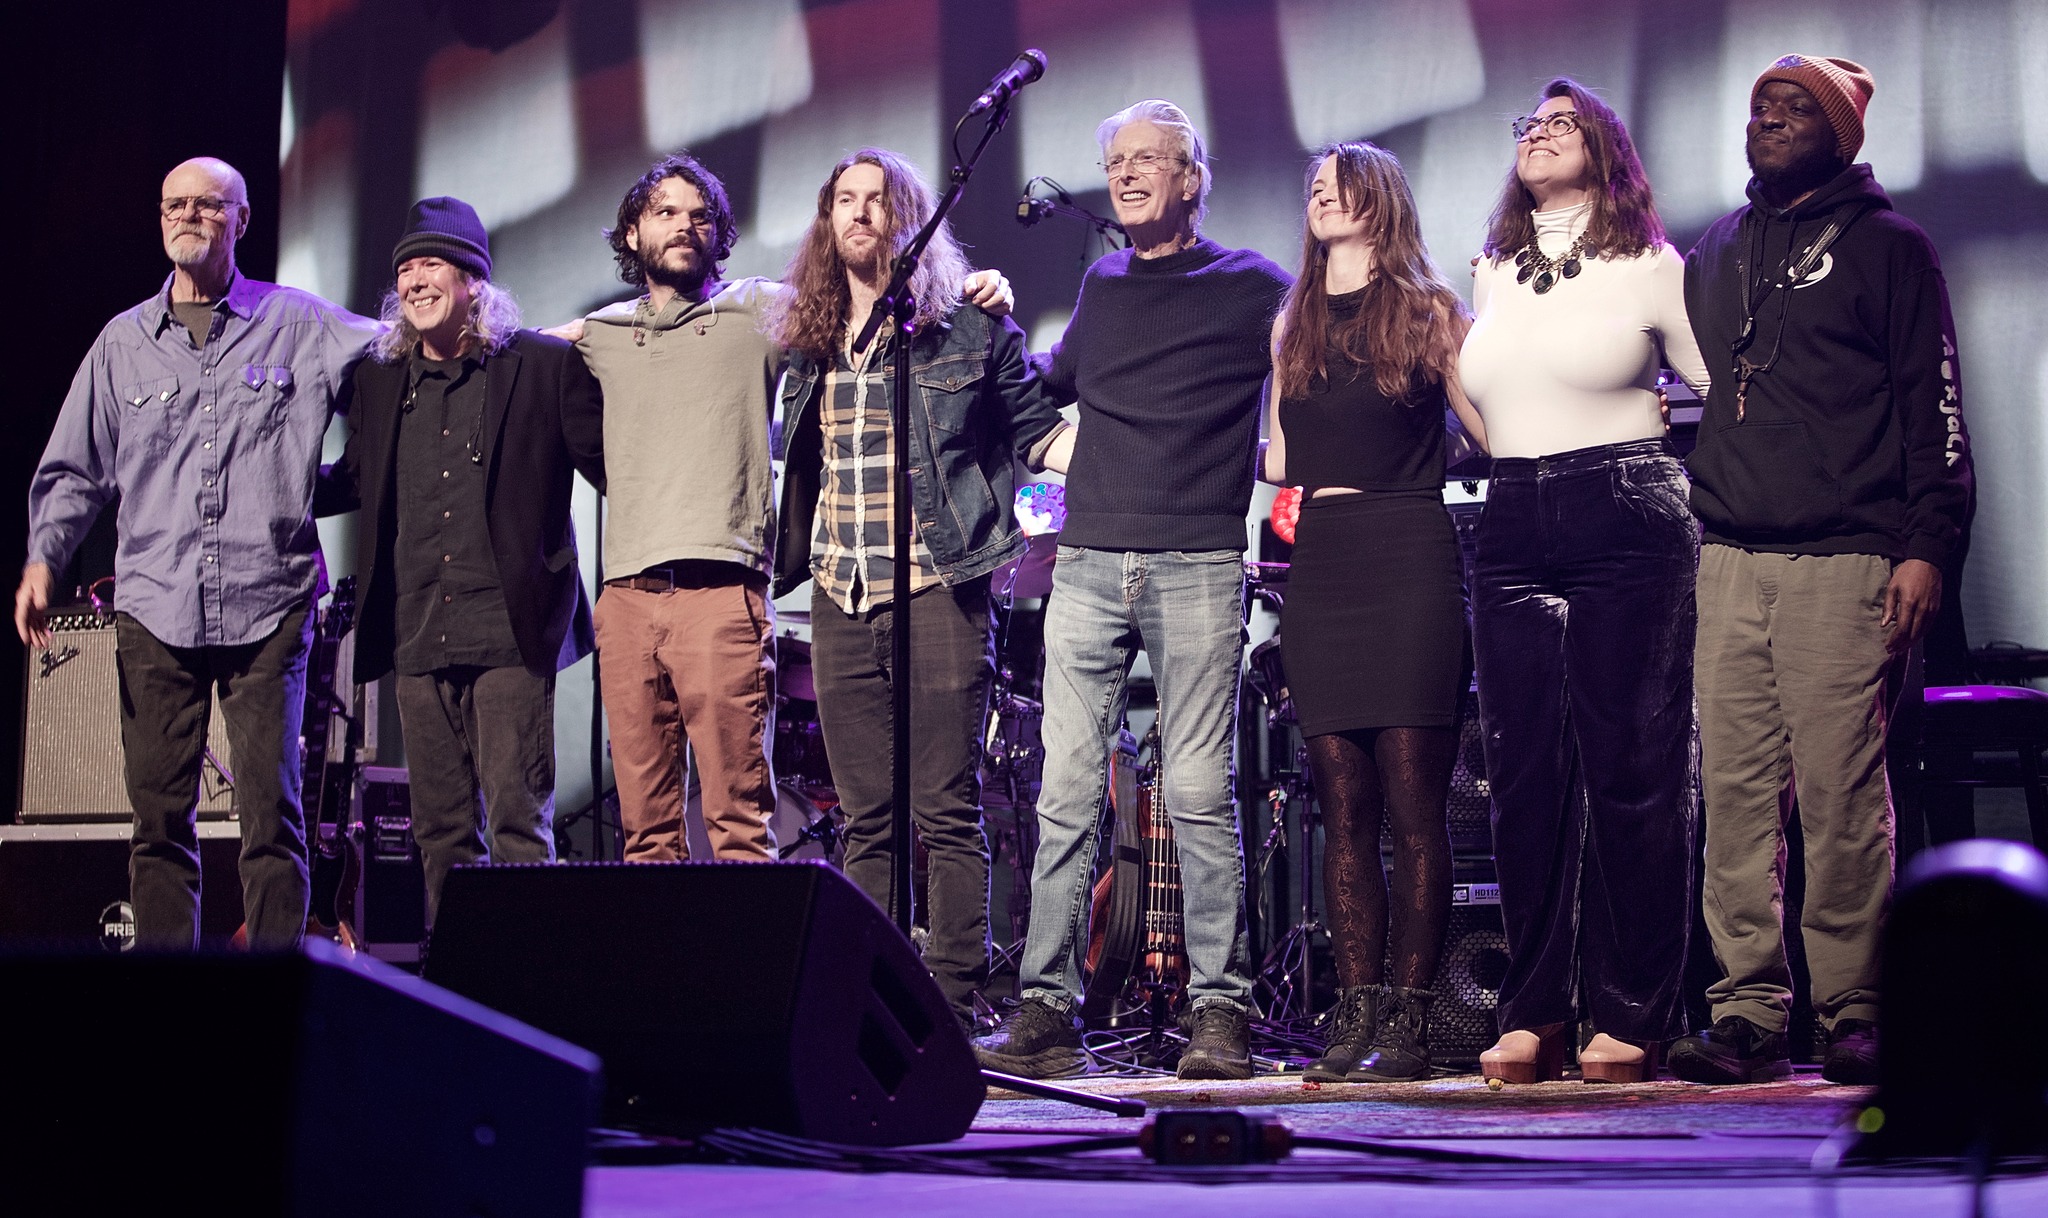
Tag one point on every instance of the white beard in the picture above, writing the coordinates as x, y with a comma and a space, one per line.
188, 253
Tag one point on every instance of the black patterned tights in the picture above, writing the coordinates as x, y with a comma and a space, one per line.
1406, 771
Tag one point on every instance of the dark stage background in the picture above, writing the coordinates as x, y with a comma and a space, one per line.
540, 113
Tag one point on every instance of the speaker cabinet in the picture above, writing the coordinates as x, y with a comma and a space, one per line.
766, 995
284, 1083
68, 884
71, 755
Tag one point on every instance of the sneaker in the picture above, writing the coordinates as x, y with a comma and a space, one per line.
1734, 1050
1219, 1042
1852, 1053
1037, 1040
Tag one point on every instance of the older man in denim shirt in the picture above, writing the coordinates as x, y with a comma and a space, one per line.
202, 410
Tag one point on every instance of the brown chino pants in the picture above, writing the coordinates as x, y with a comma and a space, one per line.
693, 666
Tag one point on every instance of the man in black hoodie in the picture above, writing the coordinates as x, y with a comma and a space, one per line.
1833, 480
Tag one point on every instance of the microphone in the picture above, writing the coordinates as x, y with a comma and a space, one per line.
1026, 68
1030, 211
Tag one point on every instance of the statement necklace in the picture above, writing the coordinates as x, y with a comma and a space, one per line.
1545, 270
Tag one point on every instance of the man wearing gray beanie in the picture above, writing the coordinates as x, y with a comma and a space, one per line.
464, 438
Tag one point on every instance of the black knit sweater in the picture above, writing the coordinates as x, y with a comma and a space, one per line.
1166, 357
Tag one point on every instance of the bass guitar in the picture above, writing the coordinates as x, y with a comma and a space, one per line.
1137, 956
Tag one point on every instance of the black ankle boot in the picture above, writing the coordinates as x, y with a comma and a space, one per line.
1400, 1053
1353, 1023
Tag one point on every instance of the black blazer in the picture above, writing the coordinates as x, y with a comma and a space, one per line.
543, 421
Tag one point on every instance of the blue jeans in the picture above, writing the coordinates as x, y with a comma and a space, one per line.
1186, 609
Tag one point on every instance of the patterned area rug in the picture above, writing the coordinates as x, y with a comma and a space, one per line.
1463, 1107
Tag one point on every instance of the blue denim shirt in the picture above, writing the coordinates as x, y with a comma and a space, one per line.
977, 407
212, 451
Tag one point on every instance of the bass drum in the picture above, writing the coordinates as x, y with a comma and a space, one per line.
799, 803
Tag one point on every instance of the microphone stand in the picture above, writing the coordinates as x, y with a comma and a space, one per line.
1036, 208
899, 307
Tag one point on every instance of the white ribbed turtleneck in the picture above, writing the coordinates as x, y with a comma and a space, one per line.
1577, 366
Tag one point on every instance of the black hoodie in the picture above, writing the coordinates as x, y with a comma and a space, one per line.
1852, 442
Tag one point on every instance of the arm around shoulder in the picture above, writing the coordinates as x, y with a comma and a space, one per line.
339, 487
583, 418
1674, 325
1033, 409
1273, 453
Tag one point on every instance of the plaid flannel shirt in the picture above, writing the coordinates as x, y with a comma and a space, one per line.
852, 555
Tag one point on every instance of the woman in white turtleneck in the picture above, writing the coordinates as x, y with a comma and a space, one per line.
1583, 598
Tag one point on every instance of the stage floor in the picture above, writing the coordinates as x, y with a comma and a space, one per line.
1447, 1147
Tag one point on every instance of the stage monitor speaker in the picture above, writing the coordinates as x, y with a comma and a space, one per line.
764, 995
284, 1083
1960, 1067
71, 755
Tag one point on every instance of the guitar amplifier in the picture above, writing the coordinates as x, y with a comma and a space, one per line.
71, 756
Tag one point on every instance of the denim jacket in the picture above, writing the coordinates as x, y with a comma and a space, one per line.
974, 403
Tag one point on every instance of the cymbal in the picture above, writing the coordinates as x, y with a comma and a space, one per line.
1030, 573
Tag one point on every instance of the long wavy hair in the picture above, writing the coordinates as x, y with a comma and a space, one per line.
812, 316
493, 320
1411, 324
1624, 222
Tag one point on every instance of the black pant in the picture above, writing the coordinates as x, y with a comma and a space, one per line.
1582, 627
951, 665
166, 700
478, 735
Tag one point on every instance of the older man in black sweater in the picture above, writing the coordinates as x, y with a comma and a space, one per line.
1166, 353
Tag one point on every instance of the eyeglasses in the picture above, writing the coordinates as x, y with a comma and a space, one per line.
1143, 163
211, 206
1557, 124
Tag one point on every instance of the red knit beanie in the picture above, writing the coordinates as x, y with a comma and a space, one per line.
1841, 86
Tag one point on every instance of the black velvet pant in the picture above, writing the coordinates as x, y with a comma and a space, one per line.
1583, 622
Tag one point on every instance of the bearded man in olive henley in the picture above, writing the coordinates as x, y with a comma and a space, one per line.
685, 630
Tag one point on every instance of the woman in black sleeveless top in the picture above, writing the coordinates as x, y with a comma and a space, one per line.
1365, 367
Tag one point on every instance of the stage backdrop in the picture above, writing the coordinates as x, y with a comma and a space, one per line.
541, 113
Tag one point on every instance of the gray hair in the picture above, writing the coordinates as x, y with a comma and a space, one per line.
493, 320
1180, 129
